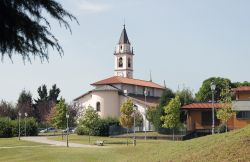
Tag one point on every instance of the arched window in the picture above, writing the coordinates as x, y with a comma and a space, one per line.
120, 62
98, 106
129, 62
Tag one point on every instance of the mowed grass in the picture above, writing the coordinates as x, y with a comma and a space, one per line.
227, 147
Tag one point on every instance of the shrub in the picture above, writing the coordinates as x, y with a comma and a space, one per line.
101, 127
5, 127
10, 128
81, 130
222, 128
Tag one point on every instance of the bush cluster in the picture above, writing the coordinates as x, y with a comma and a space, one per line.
10, 128
221, 128
101, 127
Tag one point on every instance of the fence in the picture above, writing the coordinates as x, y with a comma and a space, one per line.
118, 130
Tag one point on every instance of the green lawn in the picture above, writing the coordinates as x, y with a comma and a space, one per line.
228, 147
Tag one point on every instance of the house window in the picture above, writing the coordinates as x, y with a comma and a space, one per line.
243, 115
120, 62
98, 106
129, 62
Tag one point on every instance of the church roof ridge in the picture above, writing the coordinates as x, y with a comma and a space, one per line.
125, 80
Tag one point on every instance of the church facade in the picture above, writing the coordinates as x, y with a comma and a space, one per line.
108, 94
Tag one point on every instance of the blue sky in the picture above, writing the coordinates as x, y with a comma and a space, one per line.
181, 41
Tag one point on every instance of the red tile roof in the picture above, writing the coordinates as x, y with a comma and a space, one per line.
124, 80
201, 106
241, 89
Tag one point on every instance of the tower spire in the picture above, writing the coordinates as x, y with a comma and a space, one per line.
124, 56
124, 37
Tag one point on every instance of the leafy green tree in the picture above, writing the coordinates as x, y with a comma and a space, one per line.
171, 119
59, 120
238, 84
24, 103
204, 94
225, 113
166, 96
7, 110
45, 101
89, 120
186, 96
51, 115
72, 115
138, 119
154, 114
42, 93
54, 93
25, 27
126, 118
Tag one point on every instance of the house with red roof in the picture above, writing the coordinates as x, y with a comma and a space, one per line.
108, 94
199, 115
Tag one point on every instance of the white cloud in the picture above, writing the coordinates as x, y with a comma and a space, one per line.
91, 7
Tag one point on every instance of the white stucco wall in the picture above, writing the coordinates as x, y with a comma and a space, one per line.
109, 101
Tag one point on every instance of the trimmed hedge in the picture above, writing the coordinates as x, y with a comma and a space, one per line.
10, 128
6, 127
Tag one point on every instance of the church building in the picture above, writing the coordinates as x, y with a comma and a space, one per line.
108, 94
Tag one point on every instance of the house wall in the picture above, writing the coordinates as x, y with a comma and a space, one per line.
235, 123
243, 96
194, 120
240, 123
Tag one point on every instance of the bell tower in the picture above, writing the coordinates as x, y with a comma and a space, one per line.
124, 56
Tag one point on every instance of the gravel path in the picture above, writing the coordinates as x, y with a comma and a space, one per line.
56, 143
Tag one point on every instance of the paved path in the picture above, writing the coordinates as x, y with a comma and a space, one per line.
56, 143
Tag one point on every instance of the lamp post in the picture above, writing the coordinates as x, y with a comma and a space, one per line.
19, 129
134, 108
67, 116
25, 114
145, 99
213, 86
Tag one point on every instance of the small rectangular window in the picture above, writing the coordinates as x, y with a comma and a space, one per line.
243, 115
98, 106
